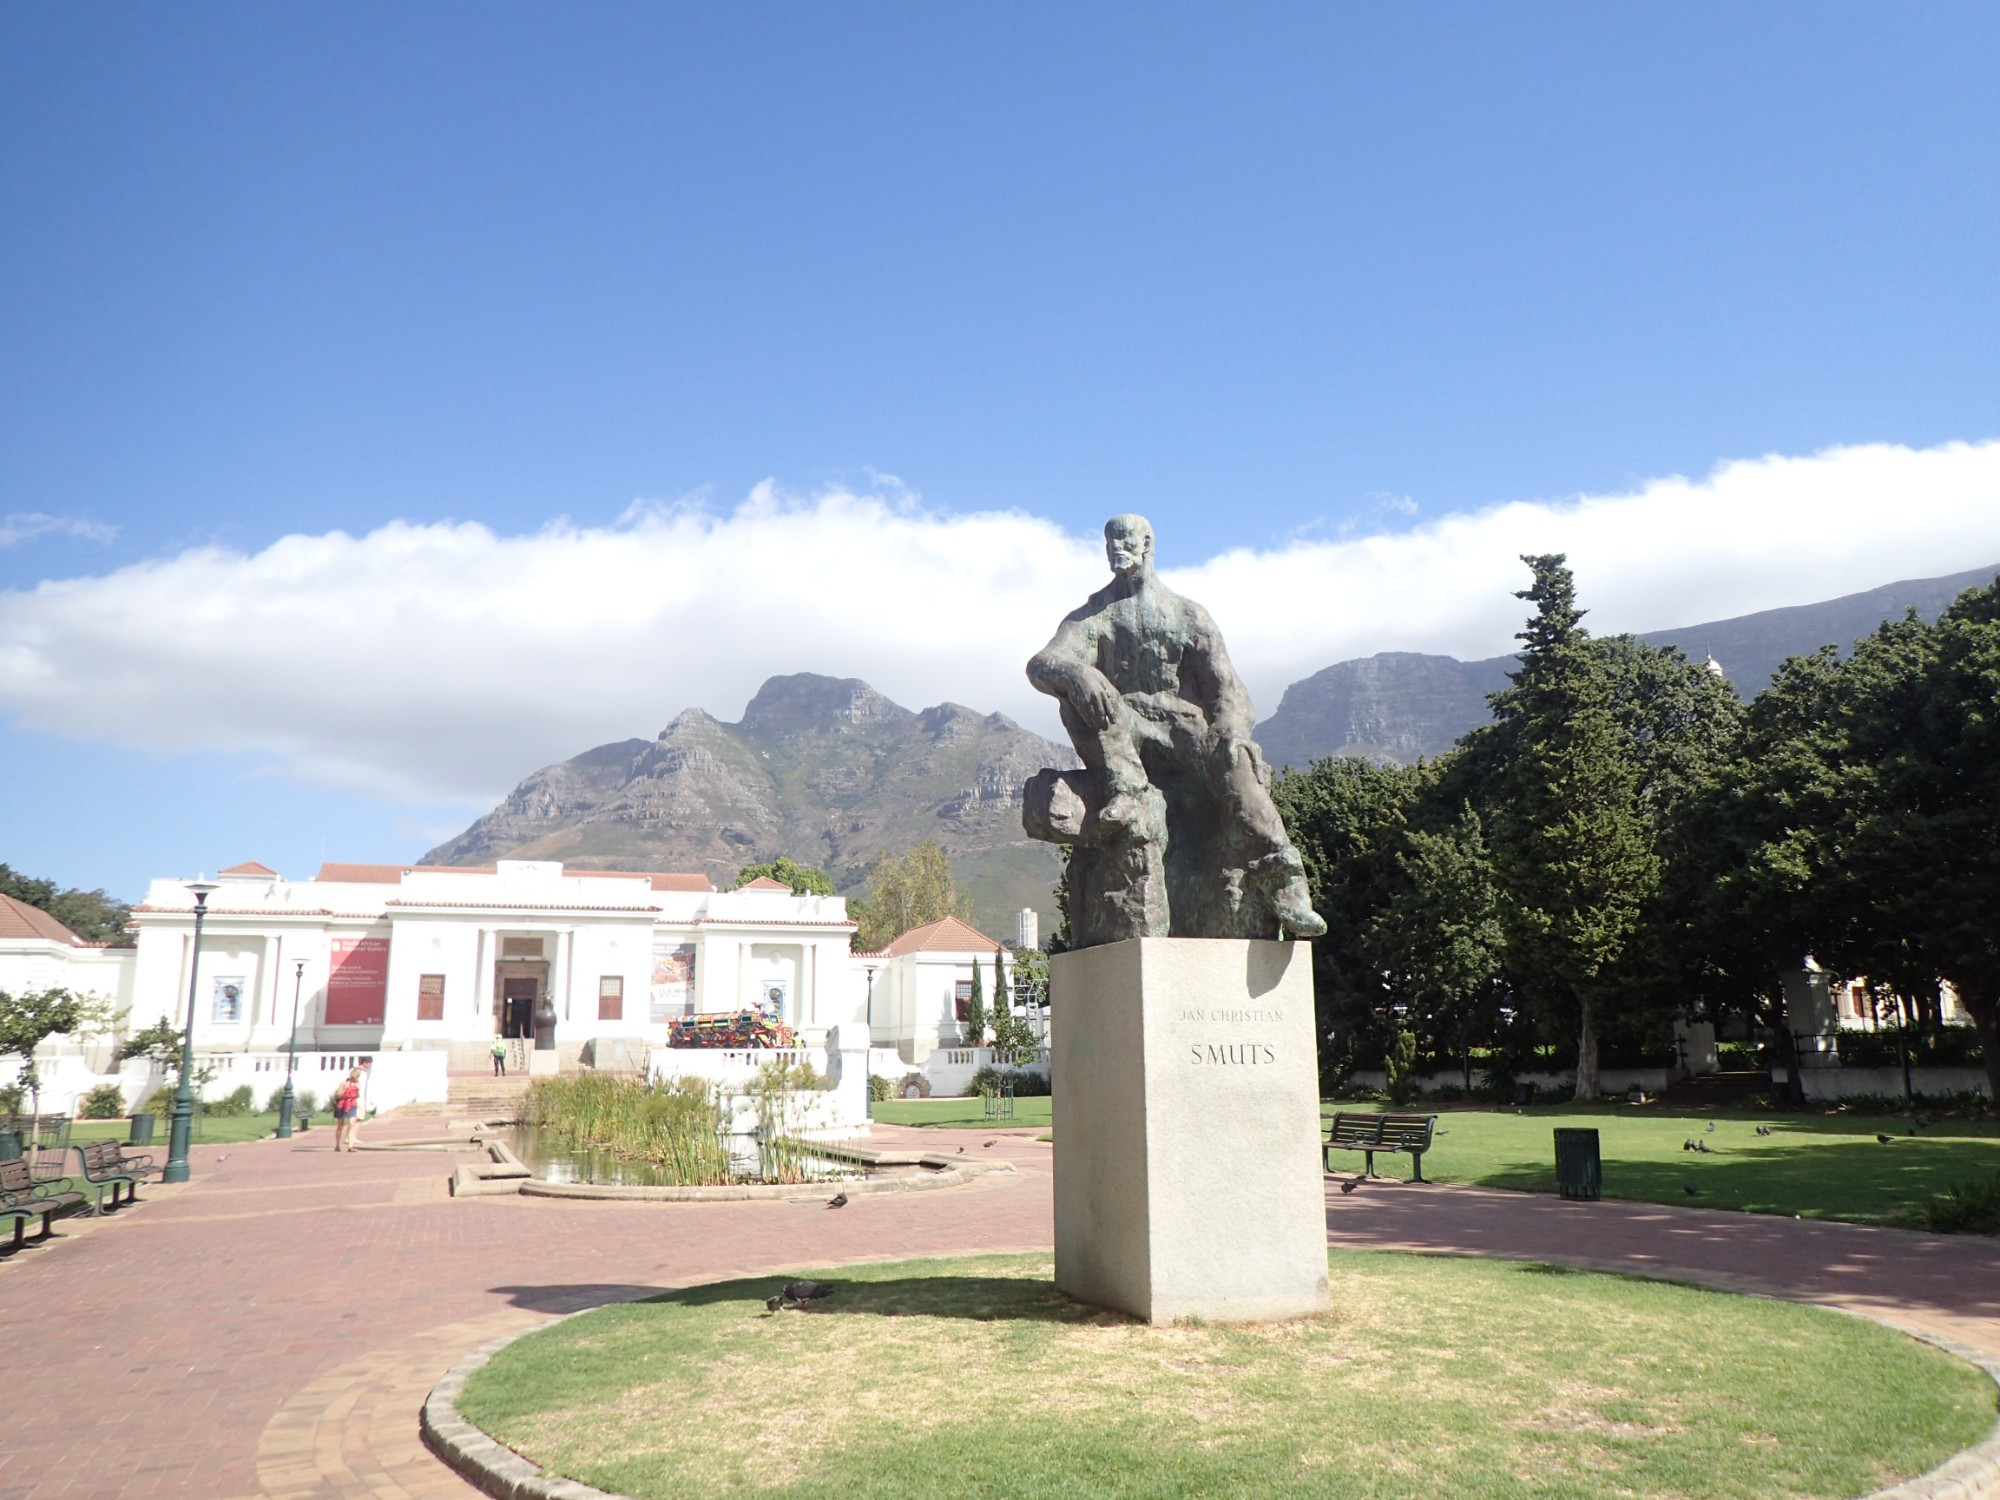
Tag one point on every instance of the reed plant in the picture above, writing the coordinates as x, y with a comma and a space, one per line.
780, 1091
675, 1125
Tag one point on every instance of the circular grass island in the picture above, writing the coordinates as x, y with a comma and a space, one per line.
1431, 1376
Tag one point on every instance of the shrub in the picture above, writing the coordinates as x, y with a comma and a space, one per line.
1027, 1085
1953, 1047
1400, 1067
914, 1086
304, 1101
161, 1102
105, 1102
1971, 1207
236, 1102
879, 1088
12, 1098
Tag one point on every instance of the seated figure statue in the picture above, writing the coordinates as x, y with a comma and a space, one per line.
1171, 823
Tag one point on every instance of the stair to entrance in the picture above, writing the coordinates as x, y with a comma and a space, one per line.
475, 1096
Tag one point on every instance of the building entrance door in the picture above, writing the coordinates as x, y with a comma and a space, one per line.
517, 1007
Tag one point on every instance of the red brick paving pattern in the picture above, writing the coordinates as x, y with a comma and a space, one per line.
270, 1328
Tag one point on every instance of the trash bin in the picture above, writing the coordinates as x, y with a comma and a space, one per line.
142, 1129
1579, 1167
10, 1145
1524, 1094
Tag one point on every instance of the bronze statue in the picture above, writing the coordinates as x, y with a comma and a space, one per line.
1171, 824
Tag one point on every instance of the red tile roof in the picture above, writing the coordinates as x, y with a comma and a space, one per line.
946, 935
764, 883
20, 920
249, 867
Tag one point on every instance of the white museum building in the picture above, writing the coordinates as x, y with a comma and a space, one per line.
422, 968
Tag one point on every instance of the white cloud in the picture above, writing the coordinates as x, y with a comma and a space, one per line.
25, 526
444, 662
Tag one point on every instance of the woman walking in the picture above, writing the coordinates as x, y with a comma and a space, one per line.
346, 1106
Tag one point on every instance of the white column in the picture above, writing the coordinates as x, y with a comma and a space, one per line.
565, 952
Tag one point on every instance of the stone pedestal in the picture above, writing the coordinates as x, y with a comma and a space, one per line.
544, 1063
1187, 1163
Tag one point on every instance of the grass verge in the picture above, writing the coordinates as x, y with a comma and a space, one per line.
1431, 1376
1809, 1166
961, 1114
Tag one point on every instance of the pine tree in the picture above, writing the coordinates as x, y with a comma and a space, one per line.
1572, 841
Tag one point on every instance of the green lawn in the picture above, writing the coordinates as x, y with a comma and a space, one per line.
209, 1130
1430, 1376
960, 1114
1811, 1166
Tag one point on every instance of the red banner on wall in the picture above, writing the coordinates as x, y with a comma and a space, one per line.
357, 985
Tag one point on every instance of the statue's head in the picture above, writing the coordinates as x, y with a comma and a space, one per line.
1128, 545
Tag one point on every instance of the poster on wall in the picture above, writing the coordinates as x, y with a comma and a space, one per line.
228, 1000
673, 982
357, 984
772, 995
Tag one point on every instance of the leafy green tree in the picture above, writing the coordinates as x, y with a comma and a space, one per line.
908, 891
91, 915
1438, 942
31, 1017
1573, 842
805, 880
1347, 818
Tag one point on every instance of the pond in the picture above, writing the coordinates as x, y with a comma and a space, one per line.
554, 1160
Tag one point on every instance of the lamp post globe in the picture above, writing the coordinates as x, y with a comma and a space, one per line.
183, 1115
285, 1105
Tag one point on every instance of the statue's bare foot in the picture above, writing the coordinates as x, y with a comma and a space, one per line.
1282, 874
1292, 905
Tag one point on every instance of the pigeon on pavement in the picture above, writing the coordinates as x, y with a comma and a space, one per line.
1350, 1185
838, 1200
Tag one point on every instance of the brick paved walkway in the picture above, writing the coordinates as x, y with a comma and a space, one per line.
270, 1328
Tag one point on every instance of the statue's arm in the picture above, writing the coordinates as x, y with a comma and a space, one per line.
1208, 679
1066, 669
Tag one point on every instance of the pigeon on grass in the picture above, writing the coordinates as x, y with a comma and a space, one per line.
1884, 1139
1691, 1190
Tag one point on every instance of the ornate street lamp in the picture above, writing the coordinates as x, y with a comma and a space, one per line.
183, 1117
291, 1054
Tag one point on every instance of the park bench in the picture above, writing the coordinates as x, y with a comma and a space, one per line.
1370, 1133
102, 1167
22, 1199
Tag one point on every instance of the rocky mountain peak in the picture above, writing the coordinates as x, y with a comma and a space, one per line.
806, 703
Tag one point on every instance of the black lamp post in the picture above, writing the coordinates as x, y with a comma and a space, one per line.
291, 1055
183, 1116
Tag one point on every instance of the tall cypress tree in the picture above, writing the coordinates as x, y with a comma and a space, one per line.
1571, 838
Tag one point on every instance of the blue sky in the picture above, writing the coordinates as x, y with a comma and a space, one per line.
554, 276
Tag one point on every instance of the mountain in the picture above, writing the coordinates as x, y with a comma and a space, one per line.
823, 769
1401, 705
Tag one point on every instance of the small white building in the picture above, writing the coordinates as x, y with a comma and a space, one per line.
922, 988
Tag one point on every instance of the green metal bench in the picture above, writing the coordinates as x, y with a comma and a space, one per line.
101, 1168
1370, 1133
22, 1199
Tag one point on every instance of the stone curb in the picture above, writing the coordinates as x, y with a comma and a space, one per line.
495, 1469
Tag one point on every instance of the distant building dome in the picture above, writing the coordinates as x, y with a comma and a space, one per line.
1714, 667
